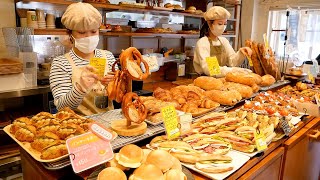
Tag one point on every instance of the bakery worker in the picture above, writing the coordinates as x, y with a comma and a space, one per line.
213, 44
72, 81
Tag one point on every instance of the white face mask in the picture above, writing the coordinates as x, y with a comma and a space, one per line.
217, 29
86, 44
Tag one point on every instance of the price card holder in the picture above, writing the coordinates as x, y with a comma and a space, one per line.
170, 121
260, 141
213, 65
99, 64
185, 123
88, 150
285, 126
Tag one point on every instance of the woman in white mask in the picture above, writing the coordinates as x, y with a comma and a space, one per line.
212, 44
72, 80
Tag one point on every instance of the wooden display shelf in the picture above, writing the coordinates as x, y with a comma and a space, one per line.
61, 5
133, 34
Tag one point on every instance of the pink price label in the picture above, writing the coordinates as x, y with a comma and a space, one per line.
100, 131
87, 151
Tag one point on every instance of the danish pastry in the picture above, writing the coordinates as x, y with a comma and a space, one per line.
55, 150
52, 126
18, 123
26, 133
43, 140
68, 129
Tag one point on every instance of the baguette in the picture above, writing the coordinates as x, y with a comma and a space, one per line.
228, 98
255, 59
242, 78
208, 83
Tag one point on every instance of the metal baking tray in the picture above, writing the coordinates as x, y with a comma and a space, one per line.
275, 85
120, 141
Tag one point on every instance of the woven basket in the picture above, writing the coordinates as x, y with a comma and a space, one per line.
10, 66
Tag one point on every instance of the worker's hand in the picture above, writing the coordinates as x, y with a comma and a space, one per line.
106, 79
87, 78
246, 51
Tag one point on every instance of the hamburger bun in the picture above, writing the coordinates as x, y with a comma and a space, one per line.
175, 174
114, 163
130, 156
147, 172
192, 8
146, 152
112, 173
160, 158
176, 164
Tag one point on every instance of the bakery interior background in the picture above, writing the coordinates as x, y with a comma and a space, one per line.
259, 16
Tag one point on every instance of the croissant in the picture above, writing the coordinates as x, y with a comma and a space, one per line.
18, 123
55, 150
43, 140
180, 98
190, 108
26, 133
208, 104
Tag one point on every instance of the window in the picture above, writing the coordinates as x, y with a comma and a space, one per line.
303, 34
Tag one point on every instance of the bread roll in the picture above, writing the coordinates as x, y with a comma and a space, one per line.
208, 83
228, 98
160, 158
244, 90
112, 173
242, 78
267, 80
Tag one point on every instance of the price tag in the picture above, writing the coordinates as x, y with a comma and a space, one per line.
170, 121
99, 64
185, 123
311, 78
213, 65
100, 131
260, 141
285, 126
250, 61
266, 43
88, 150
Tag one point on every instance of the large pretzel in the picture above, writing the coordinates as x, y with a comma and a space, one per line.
133, 108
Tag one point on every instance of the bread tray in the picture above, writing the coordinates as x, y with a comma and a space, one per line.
27, 147
238, 160
275, 85
120, 141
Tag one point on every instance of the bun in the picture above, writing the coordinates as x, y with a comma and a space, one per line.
192, 8
146, 152
112, 173
176, 163
175, 174
114, 163
130, 156
267, 80
160, 158
147, 172
208, 83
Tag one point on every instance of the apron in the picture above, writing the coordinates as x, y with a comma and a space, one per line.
94, 101
219, 52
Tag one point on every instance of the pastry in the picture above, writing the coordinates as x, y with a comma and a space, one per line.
117, 28
156, 118
244, 90
18, 123
26, 133
72, 120
43, 140
208, 83
208, 104
257, 78
228, 98
267, 80
242, 78
168, 5
54, 150
190, 108
52, 126
65, 113
66, 130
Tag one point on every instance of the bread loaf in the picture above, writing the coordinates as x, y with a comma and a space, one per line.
242, 78
208, 83
267, 80
228, 98
255, 57
244, 90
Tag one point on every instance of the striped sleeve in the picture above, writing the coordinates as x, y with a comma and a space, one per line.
111, 60
65, 95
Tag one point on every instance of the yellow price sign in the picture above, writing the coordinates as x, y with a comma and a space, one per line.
213, 65
170, 121
99, 64
260, 141
311, 78
250, 61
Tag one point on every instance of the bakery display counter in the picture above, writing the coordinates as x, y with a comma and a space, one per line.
25, 92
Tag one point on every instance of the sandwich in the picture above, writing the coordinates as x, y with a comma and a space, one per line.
161, 142
186, 155
246, 132
229, 124
213, 145
238, 143
214, 163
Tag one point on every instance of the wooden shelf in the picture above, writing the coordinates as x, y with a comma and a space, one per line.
62, 4
133, 34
